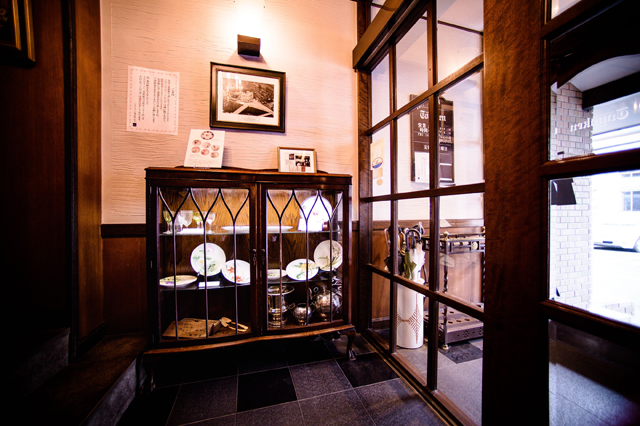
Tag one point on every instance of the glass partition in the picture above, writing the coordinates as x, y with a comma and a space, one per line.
460, 133
594, 234
460, 27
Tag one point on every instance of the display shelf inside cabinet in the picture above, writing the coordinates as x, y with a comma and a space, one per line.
456, 326
265, 220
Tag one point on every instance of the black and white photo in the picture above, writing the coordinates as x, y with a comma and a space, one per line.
247, 98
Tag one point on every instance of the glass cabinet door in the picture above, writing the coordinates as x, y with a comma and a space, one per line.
304, 257
205, 262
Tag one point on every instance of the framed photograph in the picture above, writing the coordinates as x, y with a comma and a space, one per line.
16, 32
247, 98
297, 160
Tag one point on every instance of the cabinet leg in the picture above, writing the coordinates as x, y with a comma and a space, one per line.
148, 363
351, 335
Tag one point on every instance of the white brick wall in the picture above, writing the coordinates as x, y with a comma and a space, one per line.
570, 226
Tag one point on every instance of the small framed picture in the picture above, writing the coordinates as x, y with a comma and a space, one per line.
16, 33
247, 98
297, 160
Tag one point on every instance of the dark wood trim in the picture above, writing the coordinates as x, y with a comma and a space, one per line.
582, 10
391, 23
444, 191
71, 168
86, 343
625, 335
610, 91
362, 285
591, 164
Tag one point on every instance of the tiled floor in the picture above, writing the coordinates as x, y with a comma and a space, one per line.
291, 382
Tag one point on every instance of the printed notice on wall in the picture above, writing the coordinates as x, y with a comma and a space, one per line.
152, 101
205, 149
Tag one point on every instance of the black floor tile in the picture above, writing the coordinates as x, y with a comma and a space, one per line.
204, 400
261, 356
150, 409
302, 351
462, 352
318, 378
338, 347
211, 364
288, 414
367, 369
342, 408
257, 390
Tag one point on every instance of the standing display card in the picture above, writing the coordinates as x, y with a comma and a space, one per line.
205, 149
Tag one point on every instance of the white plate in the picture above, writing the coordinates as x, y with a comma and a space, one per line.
180, 280
215, 259
314, 213
240, 229
321, 255
276, 228
274, 274
297, 269
242, 274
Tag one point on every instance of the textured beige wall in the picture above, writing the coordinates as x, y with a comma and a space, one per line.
310, 40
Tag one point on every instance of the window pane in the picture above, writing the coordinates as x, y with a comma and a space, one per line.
594, 211
462, 247
413, 150
591, 380
412, 66
559, 6
380, 152
460, 26
380, 242
594, 108
460, 361
380, 309
412, 340
460, 133
380, 91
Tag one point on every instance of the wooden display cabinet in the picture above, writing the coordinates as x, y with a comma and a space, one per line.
260, 223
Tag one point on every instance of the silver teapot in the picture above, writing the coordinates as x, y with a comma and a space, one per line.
302, 313
324, 301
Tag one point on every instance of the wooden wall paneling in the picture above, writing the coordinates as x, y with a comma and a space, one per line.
365, 222
125, 284
32, 181
512, 146
88, 124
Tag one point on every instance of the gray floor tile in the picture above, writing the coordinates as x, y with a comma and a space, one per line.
318, 378
565, 413
229, 420
396, 403
288, 414
336, 409
462, 384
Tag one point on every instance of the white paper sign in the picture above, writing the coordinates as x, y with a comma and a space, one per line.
204, 149
152, 101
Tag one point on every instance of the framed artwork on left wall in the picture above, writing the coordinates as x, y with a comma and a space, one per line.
247, 98
16, 33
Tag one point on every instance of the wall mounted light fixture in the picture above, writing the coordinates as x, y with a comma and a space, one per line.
249, 15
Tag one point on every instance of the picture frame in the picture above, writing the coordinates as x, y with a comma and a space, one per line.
16, 33
297, 160
247, 98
